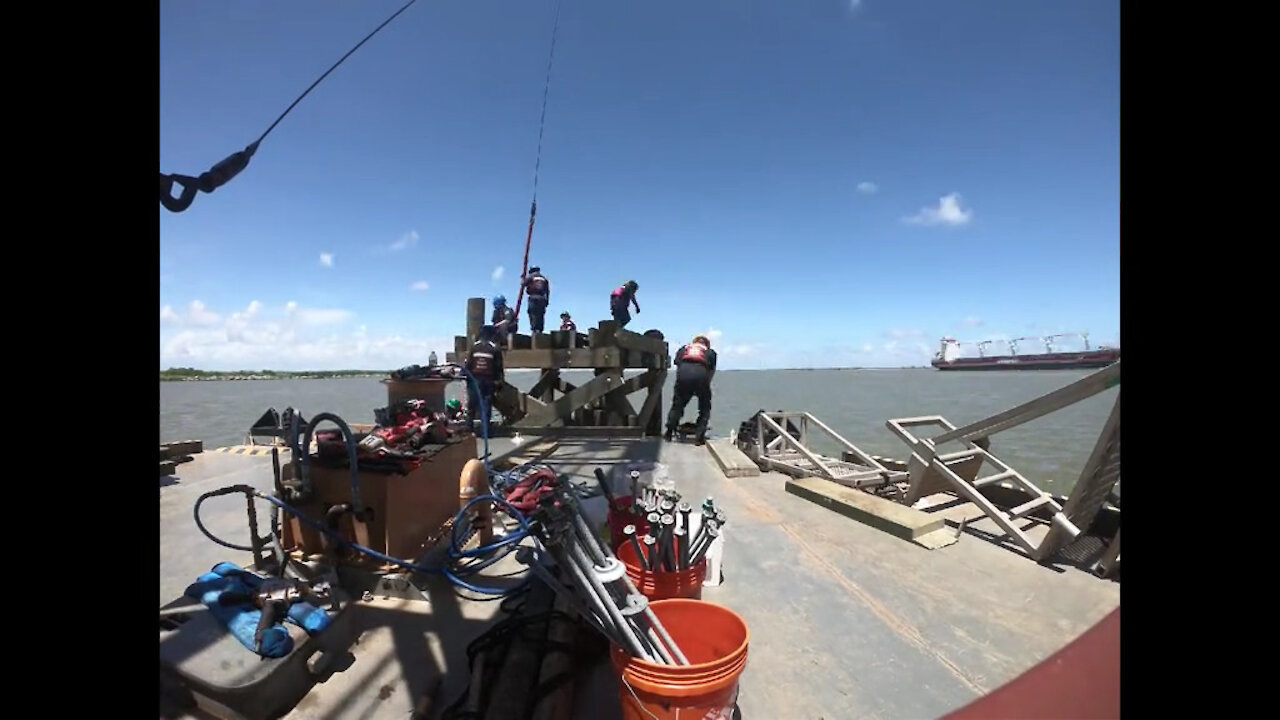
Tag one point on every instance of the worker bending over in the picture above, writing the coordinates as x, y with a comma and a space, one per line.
485, 363
620, 301
695, 367
504, 320
453, 410
566, 323
538, 287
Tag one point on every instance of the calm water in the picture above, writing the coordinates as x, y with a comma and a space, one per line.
855, 403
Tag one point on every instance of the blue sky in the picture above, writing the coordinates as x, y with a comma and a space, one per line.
812, 182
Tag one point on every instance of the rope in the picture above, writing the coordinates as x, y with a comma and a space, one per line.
537, 163
233, 164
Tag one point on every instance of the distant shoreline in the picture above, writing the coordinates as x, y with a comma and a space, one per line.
191, 375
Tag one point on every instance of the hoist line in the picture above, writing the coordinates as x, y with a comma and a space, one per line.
537, 163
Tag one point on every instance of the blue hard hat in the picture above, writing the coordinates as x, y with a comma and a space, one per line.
499, 299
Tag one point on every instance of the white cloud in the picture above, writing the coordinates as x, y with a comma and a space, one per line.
197, 314
731, 350
899, 334
326, 259
420, 285
406, 240
948, 212
167, 314
865, 187
971, 321
497, 273
291, 337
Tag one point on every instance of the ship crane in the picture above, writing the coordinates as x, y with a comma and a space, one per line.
1048, 346
1013, 344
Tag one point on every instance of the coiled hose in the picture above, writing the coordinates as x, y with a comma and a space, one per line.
475, 559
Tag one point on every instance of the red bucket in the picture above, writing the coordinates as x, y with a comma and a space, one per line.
714, 639
661, 585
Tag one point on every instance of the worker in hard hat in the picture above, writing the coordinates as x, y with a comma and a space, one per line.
504, 320
695, 367
566, 323
538, 288
453, 410
621, 300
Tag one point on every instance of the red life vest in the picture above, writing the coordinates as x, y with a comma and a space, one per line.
695, 352
481, 361
537, 287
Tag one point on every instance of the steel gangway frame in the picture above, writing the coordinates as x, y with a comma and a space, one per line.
1069, 519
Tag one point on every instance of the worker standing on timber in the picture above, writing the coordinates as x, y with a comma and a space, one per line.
620, 299
485, 363
695, 367
505, 322
538, 287
566, 323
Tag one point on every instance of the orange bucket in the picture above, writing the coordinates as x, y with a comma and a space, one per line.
662, 585
714, 639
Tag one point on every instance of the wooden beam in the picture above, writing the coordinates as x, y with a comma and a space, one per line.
545, 384
653, 402
475, 319
560, 410
635, 341
564, 431
564, 359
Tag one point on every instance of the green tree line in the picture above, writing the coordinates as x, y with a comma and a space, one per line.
186, 373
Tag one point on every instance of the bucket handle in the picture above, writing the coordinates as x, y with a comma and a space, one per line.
622, 677
627, 685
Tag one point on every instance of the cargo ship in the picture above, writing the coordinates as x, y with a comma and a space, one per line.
948, 356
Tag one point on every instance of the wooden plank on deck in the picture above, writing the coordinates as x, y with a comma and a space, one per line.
732, 461
887, 515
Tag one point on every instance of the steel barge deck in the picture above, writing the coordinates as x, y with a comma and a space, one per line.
846, 621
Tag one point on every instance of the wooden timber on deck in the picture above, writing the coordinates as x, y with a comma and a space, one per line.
732, 461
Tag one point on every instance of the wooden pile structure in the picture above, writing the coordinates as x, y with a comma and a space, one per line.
597, 407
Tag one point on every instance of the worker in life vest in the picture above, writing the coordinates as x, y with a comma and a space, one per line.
695, 367
505, 322
566, 323
620, 301
485, 363
538, 288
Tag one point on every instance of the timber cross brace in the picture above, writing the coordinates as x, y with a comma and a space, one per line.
598, 407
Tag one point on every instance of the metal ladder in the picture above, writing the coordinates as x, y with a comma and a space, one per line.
924, 457
1097, 479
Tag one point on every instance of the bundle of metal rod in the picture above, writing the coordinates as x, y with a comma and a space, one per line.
671, 543
646, 499
598, 586
708, 529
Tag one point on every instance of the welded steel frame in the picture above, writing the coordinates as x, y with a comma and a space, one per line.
767, 454
1069, 519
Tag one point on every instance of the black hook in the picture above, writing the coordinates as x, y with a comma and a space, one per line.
216, 177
